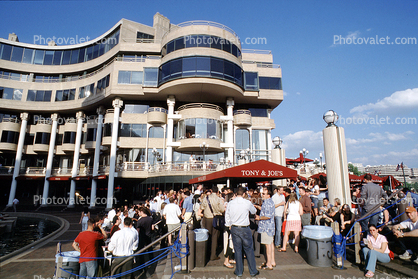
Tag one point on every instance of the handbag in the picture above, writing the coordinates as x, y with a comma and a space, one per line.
284, 226
218, 222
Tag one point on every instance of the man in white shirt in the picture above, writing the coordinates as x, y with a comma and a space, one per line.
172, 213
279, 202
408, 240
237, 219
123, 243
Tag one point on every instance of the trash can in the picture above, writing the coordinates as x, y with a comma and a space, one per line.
201, 247
319, 245
69, 263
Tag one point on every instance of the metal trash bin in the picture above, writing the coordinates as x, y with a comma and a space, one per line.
319, 245
201, 247
69, 263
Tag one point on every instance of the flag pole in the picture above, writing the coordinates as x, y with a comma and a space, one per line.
404, 179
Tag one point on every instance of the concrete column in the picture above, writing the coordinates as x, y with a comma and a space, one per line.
74, 170
96, 162
269, 156
117, 104
337, 166
171, 101
278, 156
50, 159
24, 117
230, 113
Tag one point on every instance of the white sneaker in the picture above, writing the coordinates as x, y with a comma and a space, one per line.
405, 256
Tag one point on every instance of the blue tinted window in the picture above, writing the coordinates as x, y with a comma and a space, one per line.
276, 83
170, 47
6, 52
47, 96
124, 77
101, 49
57, 57
58, 95
136, 77
189, 66
96, 51
202, 66
216, 42
89, 53
17, 54
217, 67
81, 55
71, 95
7, 93
39, 96
251, 81
150, 76
66, 57
226, 46
176, 68
31, 95
229, 70
234, 50
49, 56
180, 43
39, 57
74, 56
264, 82
191, 41
27, 56
237, 74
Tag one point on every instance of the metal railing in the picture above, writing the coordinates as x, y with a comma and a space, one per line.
10, 120
242, 111
200, 105
157, 109
256, 51
262, 64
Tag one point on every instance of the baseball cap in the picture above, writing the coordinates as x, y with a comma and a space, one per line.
410, 209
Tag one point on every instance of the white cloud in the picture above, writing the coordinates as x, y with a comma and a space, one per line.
378, 137
400, 100
308, 139
391, 157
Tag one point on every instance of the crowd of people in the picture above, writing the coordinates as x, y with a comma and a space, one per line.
240, 221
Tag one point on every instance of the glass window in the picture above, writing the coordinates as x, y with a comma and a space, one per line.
264, 82
259, 141
229, 70
81, 55
81, 93
96, 51
190, 124
7, 93
226, 46
39, 57
74, 56
212, 129
156, 132
89, 53
139, 130
275, 83
9, 137
57, 57
191, 41
179, 43
27, 56
136, 77
242, 139
65, 94
124, 77
203, 41
47, 96
69, 137
107, 129
201, 128
251, 81
189, 66
31, 95
17, 94
17, 54
71, 95
58, 95
150, 77
202, 66
258, 112
6, 51
39, 96
125, 130
217, 42
91, 134
101, 49
170, 47
175, 68
66, 57
49, 56
234, 50
238, 75
216, 67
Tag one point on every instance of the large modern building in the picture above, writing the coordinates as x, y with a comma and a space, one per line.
138, 109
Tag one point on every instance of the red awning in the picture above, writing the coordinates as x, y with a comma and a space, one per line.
355, 178
82, 178
256, 171
391, 181
59, 178
103, 176
318, 175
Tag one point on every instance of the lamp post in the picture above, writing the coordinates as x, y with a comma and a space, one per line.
278, 156
336, 159
277, 141
304, 152
204, 146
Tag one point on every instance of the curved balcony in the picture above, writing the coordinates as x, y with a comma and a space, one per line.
242, 117
157, 115
194, 145
200, 106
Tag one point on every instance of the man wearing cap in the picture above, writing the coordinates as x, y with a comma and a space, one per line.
408, 239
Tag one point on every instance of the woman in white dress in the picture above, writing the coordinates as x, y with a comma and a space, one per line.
293, 210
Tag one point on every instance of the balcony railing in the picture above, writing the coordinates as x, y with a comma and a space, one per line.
200, 105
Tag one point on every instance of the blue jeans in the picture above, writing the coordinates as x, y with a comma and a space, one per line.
243, 240
370, 220
278, 236
88, 268
372, 256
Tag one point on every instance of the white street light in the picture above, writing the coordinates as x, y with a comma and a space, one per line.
330, 117
277, 141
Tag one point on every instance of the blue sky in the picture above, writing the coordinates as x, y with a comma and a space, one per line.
361, 82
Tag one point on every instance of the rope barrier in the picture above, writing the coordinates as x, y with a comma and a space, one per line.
340, 242
175, 249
